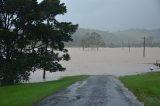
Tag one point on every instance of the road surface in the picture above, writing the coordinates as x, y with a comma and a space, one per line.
98, 90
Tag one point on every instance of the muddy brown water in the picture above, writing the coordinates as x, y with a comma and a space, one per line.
106, 61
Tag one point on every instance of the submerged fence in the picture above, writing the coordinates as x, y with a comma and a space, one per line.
157, 63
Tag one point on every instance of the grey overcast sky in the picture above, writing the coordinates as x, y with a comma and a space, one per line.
113, 14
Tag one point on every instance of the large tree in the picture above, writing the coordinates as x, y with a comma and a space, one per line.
30, 37
93, 40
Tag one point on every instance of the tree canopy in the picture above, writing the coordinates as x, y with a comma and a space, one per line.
30, 38
93, 40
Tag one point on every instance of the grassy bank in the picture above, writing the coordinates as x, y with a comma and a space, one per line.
28, 94
146, 87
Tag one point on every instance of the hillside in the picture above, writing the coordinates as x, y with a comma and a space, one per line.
133, 37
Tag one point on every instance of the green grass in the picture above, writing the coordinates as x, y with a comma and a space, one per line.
28, 94
145, 86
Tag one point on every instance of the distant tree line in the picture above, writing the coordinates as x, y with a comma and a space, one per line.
27, 30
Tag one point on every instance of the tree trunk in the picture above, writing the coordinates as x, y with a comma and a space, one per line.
44, 71
144, 47
44, 74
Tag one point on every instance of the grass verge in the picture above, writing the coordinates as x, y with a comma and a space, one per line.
28, 94
145, 86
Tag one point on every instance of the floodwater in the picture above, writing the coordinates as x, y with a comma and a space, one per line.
105, 61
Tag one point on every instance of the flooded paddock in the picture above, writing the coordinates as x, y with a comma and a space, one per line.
106, 61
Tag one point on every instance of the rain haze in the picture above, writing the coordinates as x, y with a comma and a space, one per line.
113, 15
80, 52
128, 22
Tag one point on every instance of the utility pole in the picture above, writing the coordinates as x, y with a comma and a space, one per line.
129, 46
122, 44
144, 47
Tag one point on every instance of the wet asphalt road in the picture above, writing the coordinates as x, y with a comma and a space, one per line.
98, 90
